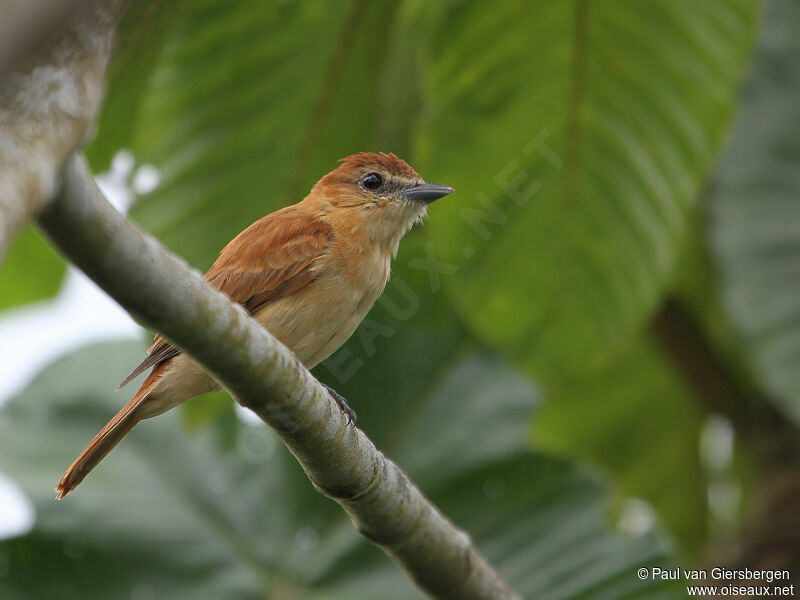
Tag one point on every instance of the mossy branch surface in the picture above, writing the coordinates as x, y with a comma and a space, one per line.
164, 293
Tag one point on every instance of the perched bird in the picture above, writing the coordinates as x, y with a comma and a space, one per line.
309, 273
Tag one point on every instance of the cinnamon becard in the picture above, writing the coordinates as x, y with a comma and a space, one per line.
309, 273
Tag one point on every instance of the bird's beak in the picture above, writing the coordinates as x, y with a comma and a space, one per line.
427, 192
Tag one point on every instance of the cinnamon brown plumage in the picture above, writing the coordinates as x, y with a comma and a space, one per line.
308, 273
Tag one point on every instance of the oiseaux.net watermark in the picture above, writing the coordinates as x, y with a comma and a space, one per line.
725, 582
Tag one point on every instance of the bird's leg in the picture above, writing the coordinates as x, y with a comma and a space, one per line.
351, 415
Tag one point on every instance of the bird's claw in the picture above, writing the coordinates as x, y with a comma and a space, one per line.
352, 417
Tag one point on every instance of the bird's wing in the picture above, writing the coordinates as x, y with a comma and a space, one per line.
271, 259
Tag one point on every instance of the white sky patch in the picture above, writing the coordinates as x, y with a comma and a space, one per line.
636, 517
146, 179
17, 514
717, 445
246, 415
80, 314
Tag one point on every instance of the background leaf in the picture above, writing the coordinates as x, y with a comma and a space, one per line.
31, 270
593, 141
755, 212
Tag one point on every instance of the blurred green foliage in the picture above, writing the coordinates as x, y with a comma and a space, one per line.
636, 419
31, 271
755, 213
594, 141
581, 138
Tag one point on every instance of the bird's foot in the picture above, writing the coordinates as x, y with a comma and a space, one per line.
352, 417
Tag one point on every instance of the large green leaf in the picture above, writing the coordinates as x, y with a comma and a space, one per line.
171, 515
755, 210
578, 135
30, 271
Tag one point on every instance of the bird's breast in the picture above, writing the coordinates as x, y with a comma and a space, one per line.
314, 322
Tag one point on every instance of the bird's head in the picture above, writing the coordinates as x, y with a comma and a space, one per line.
377, 192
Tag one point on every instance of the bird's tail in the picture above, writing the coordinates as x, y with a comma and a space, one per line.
116, 429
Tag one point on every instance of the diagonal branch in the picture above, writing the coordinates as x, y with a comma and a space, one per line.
263, 375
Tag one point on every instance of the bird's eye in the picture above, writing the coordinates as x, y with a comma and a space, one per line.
372, 181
